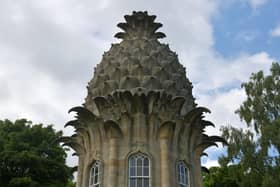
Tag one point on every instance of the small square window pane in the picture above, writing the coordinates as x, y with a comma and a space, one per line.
132, 162
139, 162
181, 169
132, 171
146, 162
187, 179
139, 182
132, 183
139, 171
91, 180
146, 171
182, 179
95, 179
146, 183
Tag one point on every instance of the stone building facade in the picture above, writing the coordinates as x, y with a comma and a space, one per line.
139, 125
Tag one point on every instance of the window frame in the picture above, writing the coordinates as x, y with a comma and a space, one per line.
185, 175
93, 174
142, 177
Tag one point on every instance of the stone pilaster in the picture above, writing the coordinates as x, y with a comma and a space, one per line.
165, 164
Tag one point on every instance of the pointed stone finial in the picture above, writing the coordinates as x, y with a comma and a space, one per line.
140, 25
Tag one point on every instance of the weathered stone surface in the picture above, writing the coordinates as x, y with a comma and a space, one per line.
139, 101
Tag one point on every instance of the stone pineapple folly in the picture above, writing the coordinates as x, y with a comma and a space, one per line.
139, 125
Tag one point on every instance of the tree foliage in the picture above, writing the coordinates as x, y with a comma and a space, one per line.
30, 156
243, 151
254, 152
261, 109
220, 177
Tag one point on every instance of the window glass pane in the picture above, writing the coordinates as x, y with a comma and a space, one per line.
95, 179
92, 171
132, 162
146, 162
187, 178
96, 170
181, 169
139, 182
184, 179
139, 171
132, 171
146, 171
91, 180
139, 162
146, 182
132, 183
181, 179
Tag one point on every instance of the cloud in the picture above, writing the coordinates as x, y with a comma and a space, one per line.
27, 92
223, 104
257, 3
276, 31
218, 84
247, 36
214, 72
211, 163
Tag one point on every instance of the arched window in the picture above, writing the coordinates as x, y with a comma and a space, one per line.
95, 175
139, 171
183, 175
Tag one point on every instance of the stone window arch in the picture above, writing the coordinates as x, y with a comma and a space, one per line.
183, 174
95, 175
139, 170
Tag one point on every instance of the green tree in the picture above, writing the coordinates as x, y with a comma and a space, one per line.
244, 152
71, 184
256, 151
261, 109
220, 177
30, 156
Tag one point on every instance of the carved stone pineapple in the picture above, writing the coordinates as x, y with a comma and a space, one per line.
140, 61
139, 126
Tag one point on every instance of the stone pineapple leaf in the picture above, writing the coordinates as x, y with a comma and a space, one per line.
196, 113
139, 25
83, 114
